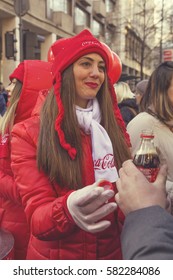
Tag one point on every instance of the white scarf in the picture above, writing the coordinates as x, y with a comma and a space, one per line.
102, 151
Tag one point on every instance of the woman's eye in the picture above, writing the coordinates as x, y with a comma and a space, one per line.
102, 68
86, 64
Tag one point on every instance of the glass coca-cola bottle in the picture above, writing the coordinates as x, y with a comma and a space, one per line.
146, 157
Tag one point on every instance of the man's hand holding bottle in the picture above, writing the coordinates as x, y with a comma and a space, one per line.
136, 192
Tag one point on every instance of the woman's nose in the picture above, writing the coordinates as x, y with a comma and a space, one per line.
94, 71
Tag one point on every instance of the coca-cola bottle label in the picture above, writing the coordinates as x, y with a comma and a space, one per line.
150, 173
146, 158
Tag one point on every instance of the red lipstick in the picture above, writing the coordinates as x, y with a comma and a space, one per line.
92, 85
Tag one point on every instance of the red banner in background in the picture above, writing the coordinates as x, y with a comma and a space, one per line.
167, 55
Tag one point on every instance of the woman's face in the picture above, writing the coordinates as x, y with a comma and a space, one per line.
10, 88
89, 74
170, 92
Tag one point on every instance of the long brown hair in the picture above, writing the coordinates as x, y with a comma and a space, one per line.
155, 99
54, 160
7, 121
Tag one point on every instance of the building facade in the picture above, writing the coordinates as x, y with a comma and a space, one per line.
28, 28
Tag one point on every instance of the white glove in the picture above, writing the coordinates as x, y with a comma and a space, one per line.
89, 205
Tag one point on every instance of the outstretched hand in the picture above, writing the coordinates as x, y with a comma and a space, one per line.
89, 205
136, 192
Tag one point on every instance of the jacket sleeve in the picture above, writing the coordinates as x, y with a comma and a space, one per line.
46, 213
147, 235
8, 188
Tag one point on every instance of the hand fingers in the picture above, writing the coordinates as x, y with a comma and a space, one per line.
121, 172
93, 205
88, 195
117, 198
101, 212
129, 168
118, 184
161, 177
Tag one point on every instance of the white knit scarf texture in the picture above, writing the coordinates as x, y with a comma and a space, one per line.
102, 151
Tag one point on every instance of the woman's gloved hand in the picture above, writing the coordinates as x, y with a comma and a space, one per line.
89, 205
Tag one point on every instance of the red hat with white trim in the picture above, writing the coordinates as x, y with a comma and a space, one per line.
66, 51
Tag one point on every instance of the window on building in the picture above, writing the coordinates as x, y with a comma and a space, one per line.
127, 44
138, 51
48, 9
97, 28
58, 6
108, 37
130, 47
81, 17
134, 53
110, 4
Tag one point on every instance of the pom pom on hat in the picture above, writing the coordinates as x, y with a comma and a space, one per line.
18, 73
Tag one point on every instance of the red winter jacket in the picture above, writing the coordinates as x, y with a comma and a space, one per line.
37, 76
54, 233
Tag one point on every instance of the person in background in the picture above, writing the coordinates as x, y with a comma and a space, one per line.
2, 100
157, 115
140, 90
4, 92
148, 229
126, 101
26, 81
2, 105
73, 151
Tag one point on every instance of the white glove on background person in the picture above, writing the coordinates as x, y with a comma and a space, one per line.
89, 205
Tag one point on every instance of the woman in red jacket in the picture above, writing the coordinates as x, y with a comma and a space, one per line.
22, 95
80, 142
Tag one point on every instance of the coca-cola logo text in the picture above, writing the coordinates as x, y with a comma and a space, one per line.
104, 163
90, 43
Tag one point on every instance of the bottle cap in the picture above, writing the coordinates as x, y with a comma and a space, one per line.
148, 133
